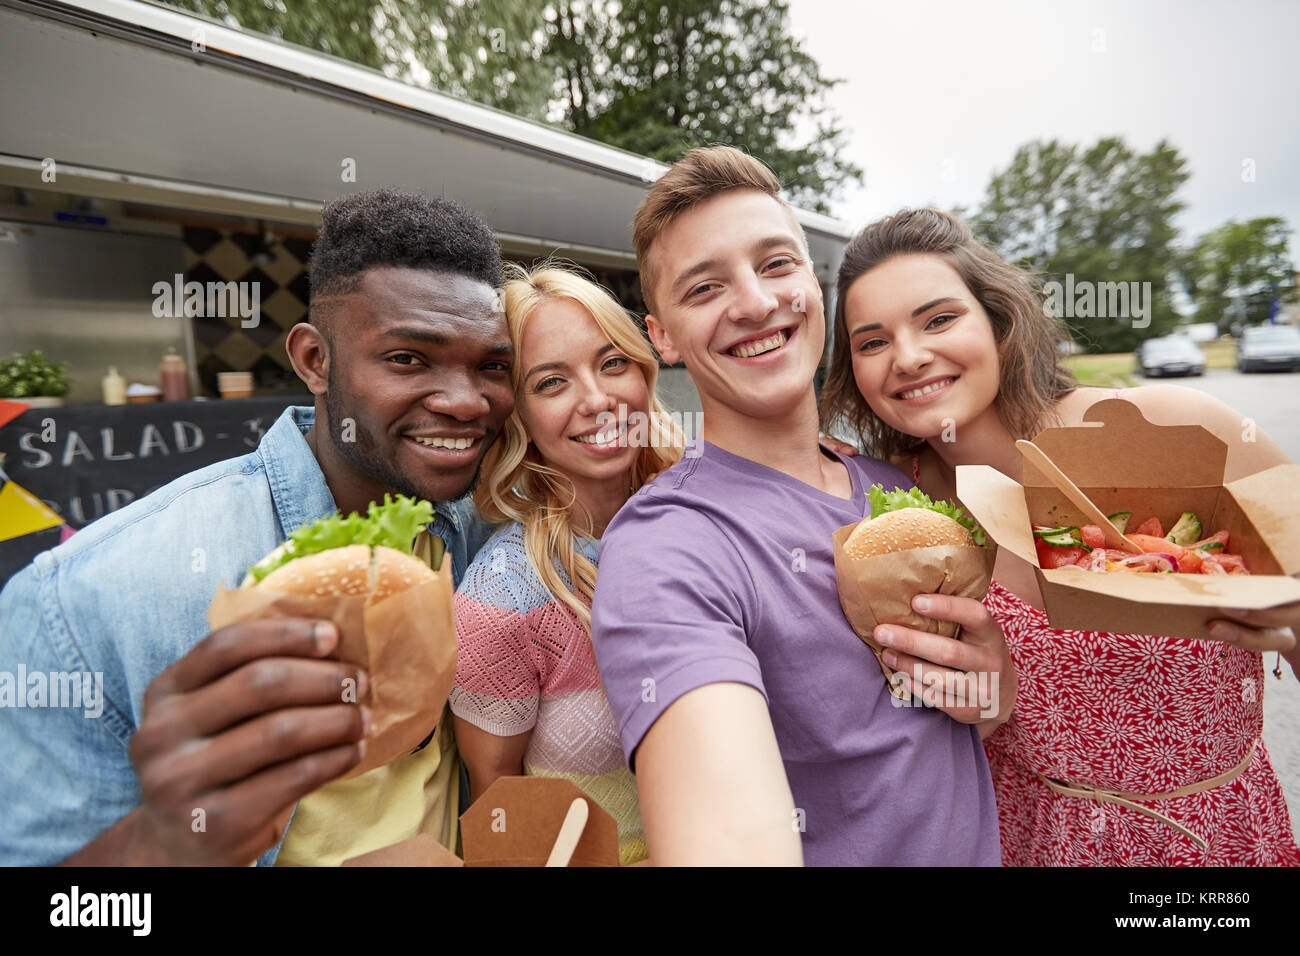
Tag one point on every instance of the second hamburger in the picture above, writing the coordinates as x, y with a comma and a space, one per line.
910, 545
902, 520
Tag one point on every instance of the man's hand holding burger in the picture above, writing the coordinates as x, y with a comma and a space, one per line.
243, 726
256, 715
948, 662
949, 547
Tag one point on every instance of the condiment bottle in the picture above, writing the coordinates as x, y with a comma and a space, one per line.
174, 377
114, 387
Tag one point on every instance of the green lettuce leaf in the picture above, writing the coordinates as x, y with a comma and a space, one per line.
394, 524
883, 502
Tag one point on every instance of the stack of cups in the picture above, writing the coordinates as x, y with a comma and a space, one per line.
235, 384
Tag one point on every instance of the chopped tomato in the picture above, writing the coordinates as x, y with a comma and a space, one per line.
1189, 562
1150, 527
1155, 545
1219, 537
1210, 565
1232, 563
1092, 536
1114, 554
1094, 560
1052, 556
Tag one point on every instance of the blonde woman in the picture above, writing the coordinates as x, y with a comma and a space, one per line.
586, 432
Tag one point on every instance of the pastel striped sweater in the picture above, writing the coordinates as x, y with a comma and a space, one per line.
526, 663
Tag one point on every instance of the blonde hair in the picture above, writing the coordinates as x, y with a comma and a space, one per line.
698, 176
518, 486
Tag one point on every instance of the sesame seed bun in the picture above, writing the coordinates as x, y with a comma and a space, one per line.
353, 571
903, 529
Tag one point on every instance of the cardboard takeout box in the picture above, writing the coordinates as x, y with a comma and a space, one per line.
514, 823
1125, 463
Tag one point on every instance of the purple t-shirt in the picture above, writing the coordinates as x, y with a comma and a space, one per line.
721, 571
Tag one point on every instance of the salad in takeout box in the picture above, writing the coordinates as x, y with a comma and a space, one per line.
1124, 463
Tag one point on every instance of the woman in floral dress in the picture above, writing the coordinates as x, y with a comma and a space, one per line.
1122, 749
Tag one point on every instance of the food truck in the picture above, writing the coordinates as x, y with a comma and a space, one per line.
161, 180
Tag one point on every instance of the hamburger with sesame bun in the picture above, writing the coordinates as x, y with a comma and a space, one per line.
385, 584
910, 545
368, 557
902, 520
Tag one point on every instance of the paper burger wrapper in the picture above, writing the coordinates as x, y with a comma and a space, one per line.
879, 589
406, 644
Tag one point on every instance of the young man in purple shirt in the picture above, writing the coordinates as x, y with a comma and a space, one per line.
758, 724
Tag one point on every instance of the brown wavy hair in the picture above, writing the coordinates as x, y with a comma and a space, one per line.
1030, 375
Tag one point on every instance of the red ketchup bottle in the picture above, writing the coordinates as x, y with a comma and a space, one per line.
174, 377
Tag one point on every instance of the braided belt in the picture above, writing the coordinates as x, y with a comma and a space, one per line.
1087, 791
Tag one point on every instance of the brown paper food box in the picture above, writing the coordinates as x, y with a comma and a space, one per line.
514, 823
879, 589
1125, 463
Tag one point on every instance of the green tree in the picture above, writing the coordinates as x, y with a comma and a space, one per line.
1234, 272
344, 28
1086, 217
584, 37
658, 77
651, 76
490, 51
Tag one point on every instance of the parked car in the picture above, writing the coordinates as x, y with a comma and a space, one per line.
1269, 346
1174, 355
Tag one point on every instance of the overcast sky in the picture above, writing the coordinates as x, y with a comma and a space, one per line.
938, 94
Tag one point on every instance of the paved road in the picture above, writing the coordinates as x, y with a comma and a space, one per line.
1272, 399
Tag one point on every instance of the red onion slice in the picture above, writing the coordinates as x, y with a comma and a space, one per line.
1155, 561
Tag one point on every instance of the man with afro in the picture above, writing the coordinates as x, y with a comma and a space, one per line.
199, 743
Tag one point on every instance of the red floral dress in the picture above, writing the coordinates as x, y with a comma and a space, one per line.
1136, 713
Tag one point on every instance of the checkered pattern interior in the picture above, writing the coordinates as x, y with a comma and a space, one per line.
220, 344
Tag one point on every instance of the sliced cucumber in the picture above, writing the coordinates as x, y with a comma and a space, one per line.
1067, 537
1211, 546
1120, 520
1042, 531
1062, 540
1186, 531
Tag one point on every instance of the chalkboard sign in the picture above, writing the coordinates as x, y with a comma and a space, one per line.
87, 460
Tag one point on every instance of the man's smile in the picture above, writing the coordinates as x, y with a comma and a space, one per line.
763, 344
446, 450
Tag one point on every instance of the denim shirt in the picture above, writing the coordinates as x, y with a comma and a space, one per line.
125, 598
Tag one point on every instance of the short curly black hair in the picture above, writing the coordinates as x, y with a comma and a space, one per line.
387, 227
